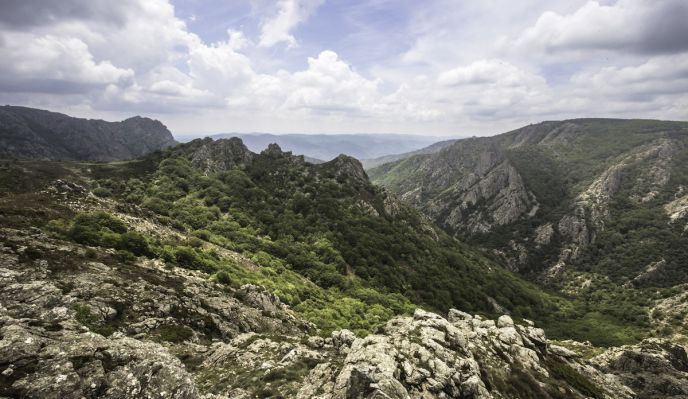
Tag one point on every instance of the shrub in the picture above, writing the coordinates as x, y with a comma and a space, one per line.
223, 277
135, 243
102, 192
125, 256
174, 333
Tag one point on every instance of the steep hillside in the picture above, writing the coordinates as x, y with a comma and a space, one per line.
27, 133
327, 222
594, 207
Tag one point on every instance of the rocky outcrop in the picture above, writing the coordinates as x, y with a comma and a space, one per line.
543, 234
592, 207
653, 369
73, 326
469, 186
464, 356
501, 188
653, 272
220, 155
345, 166
677, 210
27, 133
61, 359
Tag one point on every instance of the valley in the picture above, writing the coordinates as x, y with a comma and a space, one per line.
224, 264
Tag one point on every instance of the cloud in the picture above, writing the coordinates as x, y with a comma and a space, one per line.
493, 72
28, 13
665, 76
289, 15
220, 67
55, 64
632, 26
444, 73
329, 84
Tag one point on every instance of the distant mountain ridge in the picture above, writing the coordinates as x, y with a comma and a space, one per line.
328, 146
29, 133
431, 149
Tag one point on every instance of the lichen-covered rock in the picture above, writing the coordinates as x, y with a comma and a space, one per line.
65, 361
654, 368
427, 356
219, 155
72, 327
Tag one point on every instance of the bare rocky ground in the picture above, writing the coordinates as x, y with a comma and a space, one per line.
76, 322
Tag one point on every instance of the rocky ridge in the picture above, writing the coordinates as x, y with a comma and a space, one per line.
481, 185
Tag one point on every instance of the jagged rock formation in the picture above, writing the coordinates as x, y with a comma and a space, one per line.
452, 185
215, 156
653, 369
427, 356
27, 133
345, 166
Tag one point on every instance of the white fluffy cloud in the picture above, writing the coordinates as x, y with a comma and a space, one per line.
492, 72
659, 84
291, 13
636, 26
55, 64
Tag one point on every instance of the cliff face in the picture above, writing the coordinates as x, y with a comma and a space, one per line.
540, 196
27, 133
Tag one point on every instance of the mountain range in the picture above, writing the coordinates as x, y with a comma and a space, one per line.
547, 262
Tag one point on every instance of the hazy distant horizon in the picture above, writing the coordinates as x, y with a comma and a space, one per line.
189, 137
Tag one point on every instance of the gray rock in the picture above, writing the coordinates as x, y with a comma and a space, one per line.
654, 368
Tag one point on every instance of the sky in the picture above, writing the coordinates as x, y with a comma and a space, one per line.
433, 67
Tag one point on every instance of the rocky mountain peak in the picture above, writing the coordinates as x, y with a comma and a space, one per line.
345, 165
218, 155
273, 149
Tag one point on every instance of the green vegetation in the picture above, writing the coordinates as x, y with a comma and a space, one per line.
344, 255
103, 229
326, 241
573, 378
173, 333
85, 316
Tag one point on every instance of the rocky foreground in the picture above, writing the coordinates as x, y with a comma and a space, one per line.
76, 322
